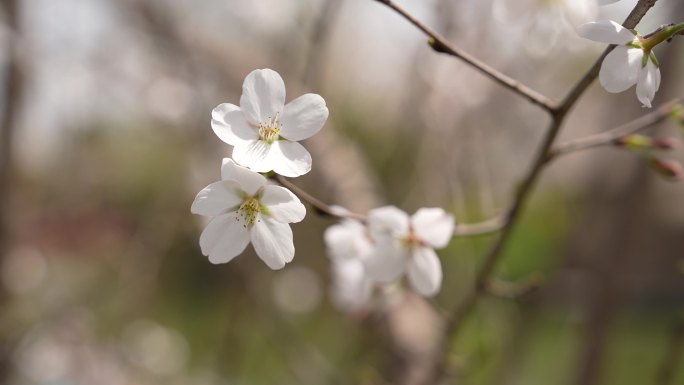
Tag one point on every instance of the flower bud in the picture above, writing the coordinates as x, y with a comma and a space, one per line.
668, 168
635, 142
668, 143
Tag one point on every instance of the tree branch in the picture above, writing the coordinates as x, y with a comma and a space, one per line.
609, 137
440, 44
544, 155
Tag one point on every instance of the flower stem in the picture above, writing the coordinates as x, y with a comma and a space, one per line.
664, 33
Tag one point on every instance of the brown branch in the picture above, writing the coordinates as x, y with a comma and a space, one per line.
608, 138
442, 45
544, 155
317, 204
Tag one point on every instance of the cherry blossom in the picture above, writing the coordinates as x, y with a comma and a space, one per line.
631, 62
264, 131
245, 208
406, 244
348, 244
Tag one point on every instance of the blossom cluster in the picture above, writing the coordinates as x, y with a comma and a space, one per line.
391, 244
264, 132
244, 207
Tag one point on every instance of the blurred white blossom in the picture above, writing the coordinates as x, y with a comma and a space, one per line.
406, 244
244, 207
264, 131
349, 244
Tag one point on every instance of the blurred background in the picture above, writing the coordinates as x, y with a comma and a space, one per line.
105, 111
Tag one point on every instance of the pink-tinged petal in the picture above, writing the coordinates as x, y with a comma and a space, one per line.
620, 69
387, 262
303, 117
282, 204
230, 125
290, 159
224, 238
347, 240
263, 95
648, 83
425, 271
272, 242
606, 31
217, 198
433, 226
250, 182
255, 156
388, 221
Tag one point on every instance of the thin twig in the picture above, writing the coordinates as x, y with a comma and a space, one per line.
608, 138
319, 205
441, 44
488, 226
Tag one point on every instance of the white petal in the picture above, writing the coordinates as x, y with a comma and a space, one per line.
224, 238
255, 156
282, 204
272, 242
351, 289
605, 2
249, 181
425, 271
263, 95
620, 69
230, 125
290, 158
606, 31
347, 240
217, 198
388, 221
303, 117
648, 83
434, 226
387, 262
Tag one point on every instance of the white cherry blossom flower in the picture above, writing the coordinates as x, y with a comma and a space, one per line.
349, 244
245, 208
264, 131
628, 64
406, 245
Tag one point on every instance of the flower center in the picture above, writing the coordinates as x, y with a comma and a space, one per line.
269, 131
411, 240
249, 211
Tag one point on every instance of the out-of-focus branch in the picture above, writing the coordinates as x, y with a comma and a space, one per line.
609, 137
11, 104
673, 355
441, 44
